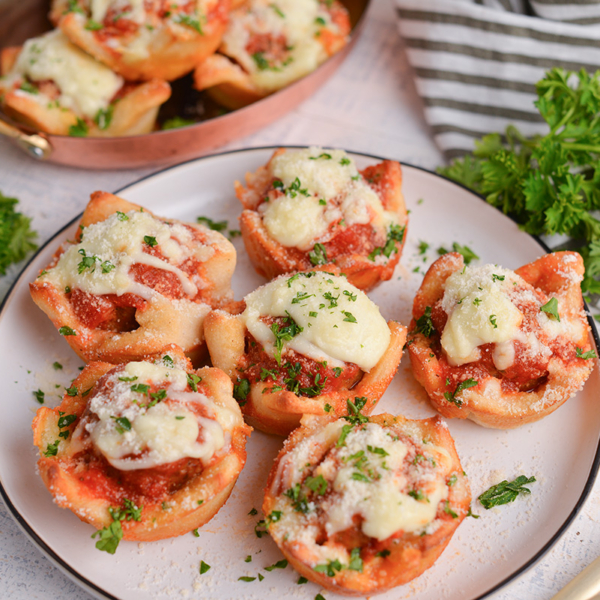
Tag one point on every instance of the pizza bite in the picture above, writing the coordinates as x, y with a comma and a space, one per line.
502, 348
361, 505
145, 450
54, 87
312, 206
144, 40
303, 345
268, 45
132, 282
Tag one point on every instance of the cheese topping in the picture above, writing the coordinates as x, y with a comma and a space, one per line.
374, 473
135, 429
86, 86
298, 21
130, 9
339, 322
101, 262
479, 311
322, 186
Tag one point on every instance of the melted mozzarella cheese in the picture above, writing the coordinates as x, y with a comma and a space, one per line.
296, 20
159, 434
338, 321
479, 312
299, 219
121, 242
86, 86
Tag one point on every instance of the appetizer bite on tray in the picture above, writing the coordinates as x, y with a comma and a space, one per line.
268, 45
144, 40
143, 451
132, 282
312, 206
501, 348
360, 505
303, 345
55, 87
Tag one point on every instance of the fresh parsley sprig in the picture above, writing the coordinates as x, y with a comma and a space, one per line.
505, 492
549, 184
16, 236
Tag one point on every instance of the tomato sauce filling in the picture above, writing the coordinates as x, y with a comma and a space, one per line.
297, 373
528, 371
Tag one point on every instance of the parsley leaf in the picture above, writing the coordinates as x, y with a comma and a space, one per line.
551, 309
424, 323
505, 492
549, 183
214, 225
463, 385
318, 255
16, 236
585, 355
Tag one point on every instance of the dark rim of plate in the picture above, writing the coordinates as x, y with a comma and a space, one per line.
88, 585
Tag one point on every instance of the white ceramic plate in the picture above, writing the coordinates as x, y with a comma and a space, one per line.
561, 451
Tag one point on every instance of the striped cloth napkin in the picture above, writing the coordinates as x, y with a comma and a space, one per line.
476, 61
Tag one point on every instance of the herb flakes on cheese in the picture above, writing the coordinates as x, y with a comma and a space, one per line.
347, 328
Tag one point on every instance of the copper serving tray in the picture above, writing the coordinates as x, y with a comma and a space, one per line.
22, 19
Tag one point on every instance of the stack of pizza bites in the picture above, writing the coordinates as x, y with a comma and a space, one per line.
105, 70
145, 445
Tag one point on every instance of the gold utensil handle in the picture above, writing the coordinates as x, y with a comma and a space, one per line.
585, 586
35, 145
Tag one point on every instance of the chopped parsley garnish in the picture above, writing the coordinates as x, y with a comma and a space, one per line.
467, 254
150, 240
418, 495
317, 484
330, 568
195, 533
67, 331
57, 366
52, 449
280, 564
356, 563
204, 567
477, 301
72, 391
470, 513
247, 579
27, 87
493, 321
141, 388
452, 480
122, 216
176, 123
87, 262
301, 297
104, 117
261, 62
505, 492
189, 21
92, 25
214, 225
328, 408
344, 161
579, 353
157, 396
498, 277
318, 255
72, 6
424, 323
127, 379
449, 511
284, 334
39, 396
463, 385
123, 424
193, 381
377, 450
337, 371
168, 361
423, 247
302, 580
80, 129
352, 297
252, 512
241, 389
551, 309
349, 317
110, 536
383, 554
395, 234
354, 415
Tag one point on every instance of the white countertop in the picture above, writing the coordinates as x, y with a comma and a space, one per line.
370, 106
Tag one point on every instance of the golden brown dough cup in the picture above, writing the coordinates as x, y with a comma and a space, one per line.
80, 445
131, 282
84, 99
313, 207
360, 507
268, 45
538, 364
275, 390
162, 41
